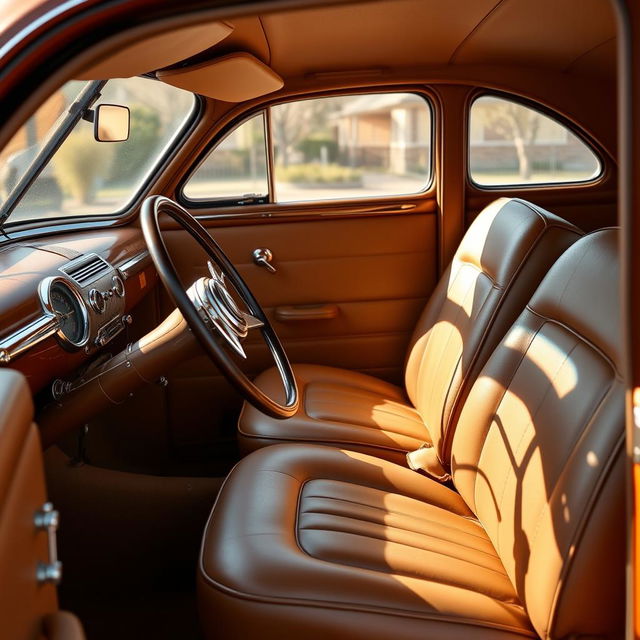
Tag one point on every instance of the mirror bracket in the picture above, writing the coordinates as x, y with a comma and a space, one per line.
89, 115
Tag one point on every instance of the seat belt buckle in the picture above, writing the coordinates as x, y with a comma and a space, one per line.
425, 459
417, 458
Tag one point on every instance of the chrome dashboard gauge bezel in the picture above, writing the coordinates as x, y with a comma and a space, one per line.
44, 292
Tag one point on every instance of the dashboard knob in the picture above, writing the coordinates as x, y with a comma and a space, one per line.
96, 301
118, 286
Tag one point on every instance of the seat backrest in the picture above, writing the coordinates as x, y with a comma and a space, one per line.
538, 452
502, 258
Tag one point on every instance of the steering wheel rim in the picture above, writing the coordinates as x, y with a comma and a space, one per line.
210, 341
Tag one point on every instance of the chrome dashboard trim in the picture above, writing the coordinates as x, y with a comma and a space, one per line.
44, 291
19, 341
134, 264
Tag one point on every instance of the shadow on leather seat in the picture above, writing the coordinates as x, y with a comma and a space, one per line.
315, 542
503, 257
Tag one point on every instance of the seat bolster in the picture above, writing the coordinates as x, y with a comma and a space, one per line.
265, 570
338, 407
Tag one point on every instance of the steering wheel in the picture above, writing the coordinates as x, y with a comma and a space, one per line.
213, 315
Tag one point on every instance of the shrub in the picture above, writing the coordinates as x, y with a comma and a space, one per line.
79, 162
311, 149
315, 173
143, 140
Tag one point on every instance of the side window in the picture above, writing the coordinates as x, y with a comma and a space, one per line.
357, 146
236, 169
512, 144
354, 146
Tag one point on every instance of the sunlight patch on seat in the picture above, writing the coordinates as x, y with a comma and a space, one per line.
554, 362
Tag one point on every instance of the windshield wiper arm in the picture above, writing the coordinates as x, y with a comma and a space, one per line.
84, 101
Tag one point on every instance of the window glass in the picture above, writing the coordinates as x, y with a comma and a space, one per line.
356, 146
511, 144
85, 176
236, 168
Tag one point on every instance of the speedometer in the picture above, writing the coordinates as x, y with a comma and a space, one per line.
68, 308
61, 299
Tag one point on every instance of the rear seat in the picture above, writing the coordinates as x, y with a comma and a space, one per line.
502, 258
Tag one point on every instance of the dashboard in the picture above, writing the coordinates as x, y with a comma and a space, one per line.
83, 306
64, 299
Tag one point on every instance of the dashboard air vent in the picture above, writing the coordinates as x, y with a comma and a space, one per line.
87, 269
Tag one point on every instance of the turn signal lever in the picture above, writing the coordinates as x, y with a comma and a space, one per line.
113, 381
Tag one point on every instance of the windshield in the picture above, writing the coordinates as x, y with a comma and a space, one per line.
86, 177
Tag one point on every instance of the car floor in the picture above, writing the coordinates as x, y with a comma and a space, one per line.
129, 545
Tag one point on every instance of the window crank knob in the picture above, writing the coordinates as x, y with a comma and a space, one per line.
263, 257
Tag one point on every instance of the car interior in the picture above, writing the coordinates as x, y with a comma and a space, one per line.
311, 325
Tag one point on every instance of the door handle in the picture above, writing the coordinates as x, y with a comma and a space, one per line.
305, 313
263, 257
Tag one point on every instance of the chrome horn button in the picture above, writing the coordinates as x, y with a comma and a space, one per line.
217, 308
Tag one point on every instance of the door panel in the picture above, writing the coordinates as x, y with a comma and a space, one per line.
23, 602
377, 270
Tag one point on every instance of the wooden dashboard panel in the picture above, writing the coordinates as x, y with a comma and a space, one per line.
24, 265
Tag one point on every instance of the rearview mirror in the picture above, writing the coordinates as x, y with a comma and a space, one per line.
111, 123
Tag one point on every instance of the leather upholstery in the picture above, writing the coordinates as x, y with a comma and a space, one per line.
342, 408
314, 542
23, 602
318, 542
538, 451
502, 258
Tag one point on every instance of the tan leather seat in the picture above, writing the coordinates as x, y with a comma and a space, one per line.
315, 542
502, 258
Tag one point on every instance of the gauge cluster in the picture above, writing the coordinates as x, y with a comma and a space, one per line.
87, 301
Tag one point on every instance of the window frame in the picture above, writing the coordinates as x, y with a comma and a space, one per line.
555, 116
26, 228
217, 140
215, 203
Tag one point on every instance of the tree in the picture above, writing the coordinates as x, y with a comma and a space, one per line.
512, 121
292, 122
80, 162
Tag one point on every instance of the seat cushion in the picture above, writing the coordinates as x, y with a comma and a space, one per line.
337, 407
316, 542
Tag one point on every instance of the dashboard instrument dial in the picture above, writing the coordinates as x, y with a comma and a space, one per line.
63, 301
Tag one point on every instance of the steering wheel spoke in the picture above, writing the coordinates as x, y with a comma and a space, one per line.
211, 310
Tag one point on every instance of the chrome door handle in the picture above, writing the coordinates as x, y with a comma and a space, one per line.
47, 519
263, 257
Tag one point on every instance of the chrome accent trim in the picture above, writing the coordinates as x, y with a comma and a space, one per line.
44, 291
28, 336
263, 257
46, 326
219, 310
283, 214
96, 301
109, 331
47, 519
134, 264
84, 260
117, 285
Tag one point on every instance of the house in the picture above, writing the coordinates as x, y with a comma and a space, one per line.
390, 130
